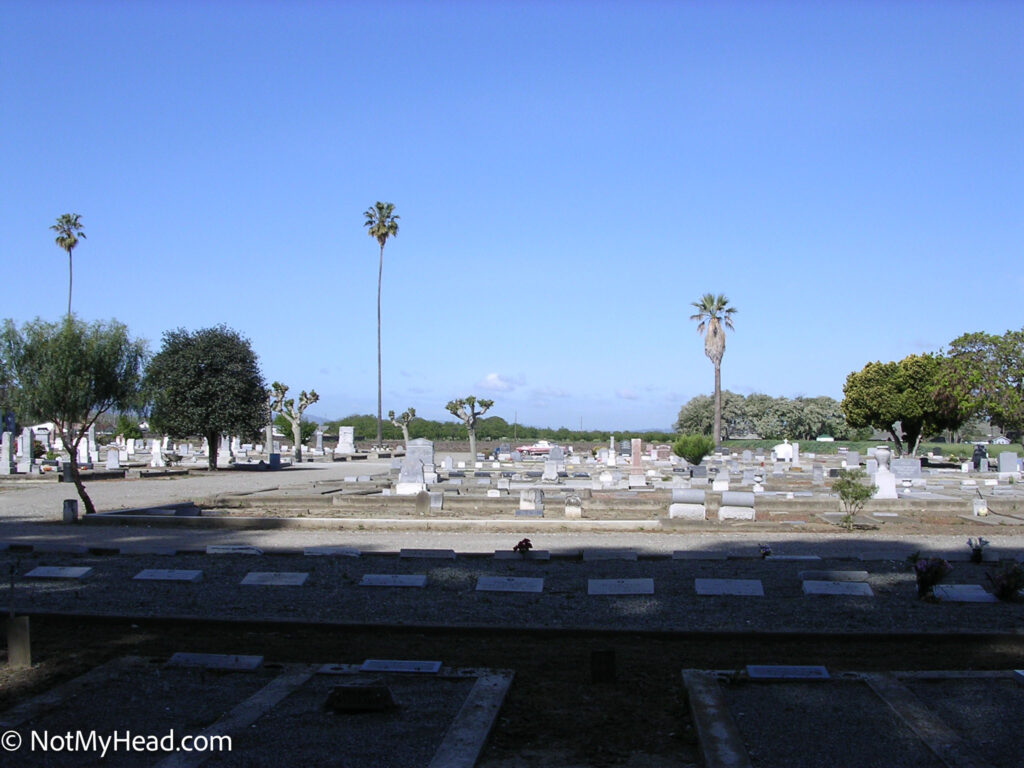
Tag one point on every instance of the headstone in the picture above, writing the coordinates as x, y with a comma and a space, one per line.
346, 441
783, 451
422, 503
818, 474
550, 471
531, 499
410, 478
573, 507
318, 446
612, 453
6, 454
25, 441
113, 459
636, 453
886, 483
167, 574
838, 588
852, 459
275, 579
422, 449
1007, 462
747, 456
156, 458
556, 454
796, 455
906, 468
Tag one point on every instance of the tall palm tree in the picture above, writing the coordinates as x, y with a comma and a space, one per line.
382, 223
69, 231
712, 313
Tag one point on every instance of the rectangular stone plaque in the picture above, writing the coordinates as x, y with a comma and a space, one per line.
742, 587
838, 588
275, 579
509, 584
620, 586
533, 554
232, 549
393, 580
785, 558
963, 593
834, 575
142, 549
330, 551
166, 574
58, 572
529, 513
396, 665
779, 672
223, 661
428, 554
699, 554
591, 555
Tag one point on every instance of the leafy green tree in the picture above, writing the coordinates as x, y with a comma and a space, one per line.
465, 409
693, 448
984, 374
308, 428
71, 373
713, 315
909, 393
69, 232
402, 422
127, 427
853, 493
292, 412
697, 416
206, 383
381, 223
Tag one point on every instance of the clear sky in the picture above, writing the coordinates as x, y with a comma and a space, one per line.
569, 177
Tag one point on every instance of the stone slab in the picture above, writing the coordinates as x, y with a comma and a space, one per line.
838, 588
699, 554
963, 593
509, 584
788, 558
232, 549
782, 672
620, 586
275, 579
227, 662
330, 551
735, 513
529, 513
167, 574
533, 554
393, 580
401, 665
141, 549
834, 575
427, 554
58, 572
741, 587
594, 555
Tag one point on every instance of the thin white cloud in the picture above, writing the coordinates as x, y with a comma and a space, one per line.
495, 382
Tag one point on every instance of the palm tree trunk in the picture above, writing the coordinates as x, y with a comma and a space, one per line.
380, 274
718, 404
70, 277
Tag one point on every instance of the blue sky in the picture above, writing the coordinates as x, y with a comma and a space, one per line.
569, 177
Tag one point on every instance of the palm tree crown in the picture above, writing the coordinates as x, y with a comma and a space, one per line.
381, 223
712, 313
69, 231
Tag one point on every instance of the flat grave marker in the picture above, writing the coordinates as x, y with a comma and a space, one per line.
533, 554
232, 549
401, 665
275, 579
620, 586
594, 555
393, 580
509, 584
741, 587
58, 572
838, 588
834, 575
167, 574
331, 551
963, 593
427, 554
699, 554
228, 662
782, 672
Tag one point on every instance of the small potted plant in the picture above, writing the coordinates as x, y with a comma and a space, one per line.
1007, 582
523, 548
977, 547
765, 549
928, 571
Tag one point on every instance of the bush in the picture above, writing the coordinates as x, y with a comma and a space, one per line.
852, 493
693, 448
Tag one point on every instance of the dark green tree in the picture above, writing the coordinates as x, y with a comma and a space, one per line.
908, 393
697, 416
71, 373
713, 315
206, 383
465, 409
69, 232
381, 223
984, 374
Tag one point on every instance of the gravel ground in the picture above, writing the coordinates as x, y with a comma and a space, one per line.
332, 593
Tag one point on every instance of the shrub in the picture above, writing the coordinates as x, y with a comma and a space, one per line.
853, 493
693, 448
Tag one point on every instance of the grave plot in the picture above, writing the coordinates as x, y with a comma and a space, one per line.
273, 714
814, 724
